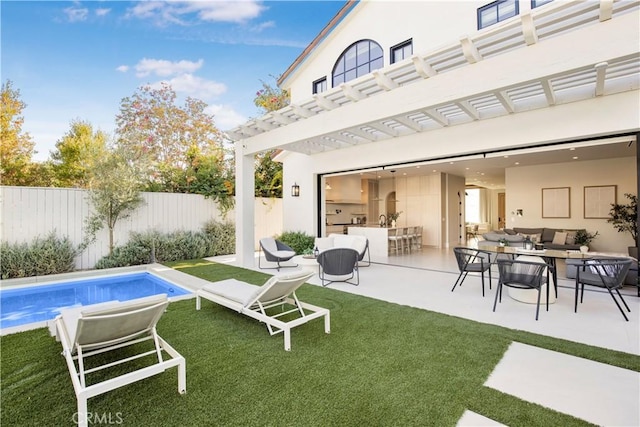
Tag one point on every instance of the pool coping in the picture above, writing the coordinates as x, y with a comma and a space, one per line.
178, 278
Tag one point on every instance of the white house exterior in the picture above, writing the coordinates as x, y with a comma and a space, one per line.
558, 75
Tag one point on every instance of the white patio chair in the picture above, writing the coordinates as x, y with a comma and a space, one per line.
99, 328
254, 301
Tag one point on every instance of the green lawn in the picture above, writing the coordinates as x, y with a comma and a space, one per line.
382, 364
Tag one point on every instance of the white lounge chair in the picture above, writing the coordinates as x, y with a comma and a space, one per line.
254, 301
95, 329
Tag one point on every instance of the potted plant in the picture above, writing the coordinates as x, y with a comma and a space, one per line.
625, 219
584, 238
393, 217
503, 242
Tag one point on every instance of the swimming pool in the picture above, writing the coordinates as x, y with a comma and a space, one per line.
43, 302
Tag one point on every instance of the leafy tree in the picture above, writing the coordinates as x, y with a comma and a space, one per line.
182, 147
16, 146
268, 181
77, 153
151, 125
114, 194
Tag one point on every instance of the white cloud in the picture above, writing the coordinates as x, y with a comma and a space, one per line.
191, 85
225, 117
102, 11
263, 25
178, 12
123, 68
228, 11
164, 68
76, 14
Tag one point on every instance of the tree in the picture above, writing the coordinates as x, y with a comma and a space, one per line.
268, 181
16, 146
114, 194
151, 125
177, 143
77, 153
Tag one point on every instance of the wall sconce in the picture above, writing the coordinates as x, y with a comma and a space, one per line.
295, 190
518, 212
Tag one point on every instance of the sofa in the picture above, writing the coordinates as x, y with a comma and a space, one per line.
359, 243
550, 238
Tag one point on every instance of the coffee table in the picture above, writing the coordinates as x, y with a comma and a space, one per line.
307, 262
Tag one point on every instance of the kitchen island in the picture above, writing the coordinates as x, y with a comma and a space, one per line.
378, 240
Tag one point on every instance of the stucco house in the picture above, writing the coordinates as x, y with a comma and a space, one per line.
537, 102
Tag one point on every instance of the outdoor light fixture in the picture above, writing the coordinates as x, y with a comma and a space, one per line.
518, 212
295, 190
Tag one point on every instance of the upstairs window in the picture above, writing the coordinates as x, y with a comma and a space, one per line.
401, 51
496, 12
538, 3
359, 59
319, 85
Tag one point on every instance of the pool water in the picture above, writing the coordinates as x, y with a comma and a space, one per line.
43, 302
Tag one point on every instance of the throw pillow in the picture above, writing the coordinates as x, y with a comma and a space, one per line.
571, 237
559, 238
510, 231
532, 237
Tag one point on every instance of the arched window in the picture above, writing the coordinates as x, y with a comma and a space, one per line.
359, 59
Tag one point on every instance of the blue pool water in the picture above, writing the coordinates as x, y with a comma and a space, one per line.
43, 302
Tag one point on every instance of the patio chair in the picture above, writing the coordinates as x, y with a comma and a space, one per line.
96, 329
521, 275
472, 261
258, 302
339, 263
275, 251
608, 273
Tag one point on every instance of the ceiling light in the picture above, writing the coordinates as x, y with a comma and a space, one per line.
575, 157
517, 163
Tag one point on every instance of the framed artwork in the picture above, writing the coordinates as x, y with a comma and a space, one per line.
598, 200
555, 202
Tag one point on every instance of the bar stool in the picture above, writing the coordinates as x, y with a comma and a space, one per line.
397, 239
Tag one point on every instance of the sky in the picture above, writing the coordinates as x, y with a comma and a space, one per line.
76, 60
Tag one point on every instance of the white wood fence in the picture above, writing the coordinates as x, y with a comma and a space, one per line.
30, 212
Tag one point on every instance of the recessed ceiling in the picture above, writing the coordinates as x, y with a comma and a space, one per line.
489, 172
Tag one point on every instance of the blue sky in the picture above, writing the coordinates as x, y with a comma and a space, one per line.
77, 60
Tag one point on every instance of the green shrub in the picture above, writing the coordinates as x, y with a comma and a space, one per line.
299, 241
49, 255
222, 237
144, 248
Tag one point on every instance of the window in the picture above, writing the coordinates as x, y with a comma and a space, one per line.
538, 3
472, 205
496, 12
359, 59
401, 51
319, 85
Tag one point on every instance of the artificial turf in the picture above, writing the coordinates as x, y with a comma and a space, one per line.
382, 364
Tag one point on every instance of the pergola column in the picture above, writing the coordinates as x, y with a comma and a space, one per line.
245, 209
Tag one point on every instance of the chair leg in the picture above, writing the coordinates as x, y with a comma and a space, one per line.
458, 280
618, 304
482, 279
498, 291
538, 305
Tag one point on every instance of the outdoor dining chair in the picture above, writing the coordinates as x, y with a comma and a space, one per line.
520, 275
608, 273
472, 261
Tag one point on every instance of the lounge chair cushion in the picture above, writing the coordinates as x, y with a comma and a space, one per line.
245, 293
234, 290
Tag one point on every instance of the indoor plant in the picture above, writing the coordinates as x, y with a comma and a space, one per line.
584, 238
625, 218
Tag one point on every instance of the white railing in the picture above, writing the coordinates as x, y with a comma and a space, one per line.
30, 212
